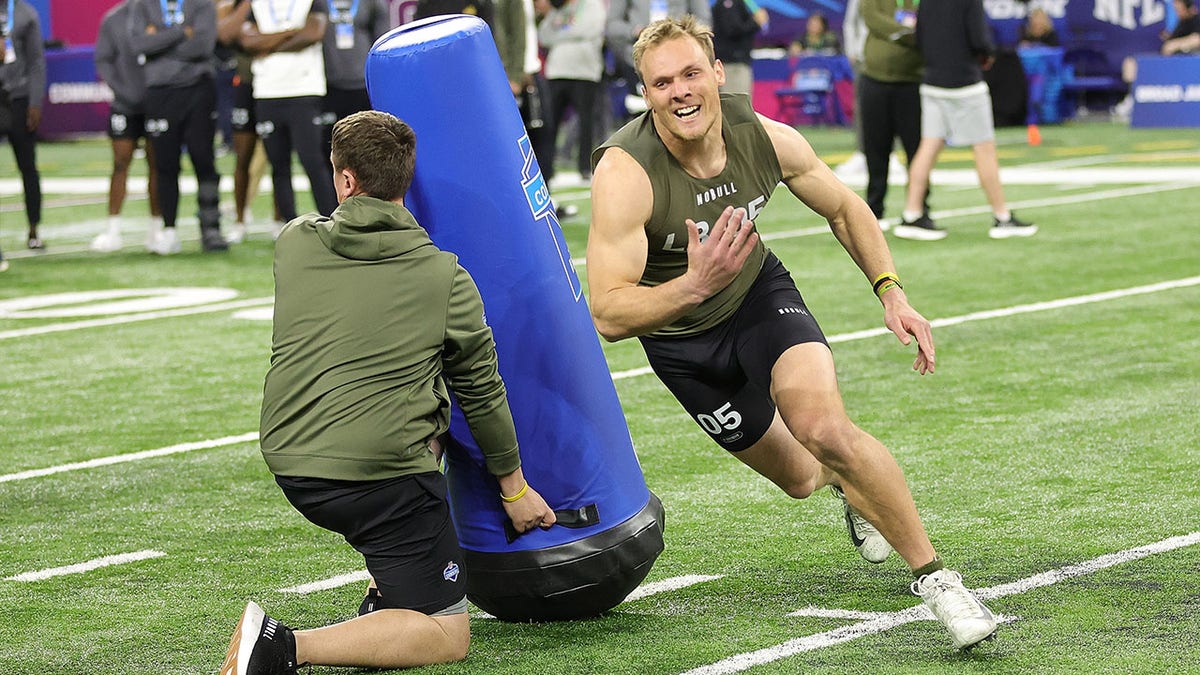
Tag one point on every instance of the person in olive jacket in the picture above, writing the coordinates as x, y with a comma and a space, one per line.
372, 325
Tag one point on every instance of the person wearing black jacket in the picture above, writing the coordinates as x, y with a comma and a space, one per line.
956, 106
735, 23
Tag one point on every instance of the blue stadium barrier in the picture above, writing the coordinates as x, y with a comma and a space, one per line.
479, 192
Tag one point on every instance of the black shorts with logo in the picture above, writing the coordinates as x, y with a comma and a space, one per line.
131, 126
401, 526
242, 118
723, 375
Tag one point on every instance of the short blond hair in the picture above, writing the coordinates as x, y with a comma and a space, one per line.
670, 29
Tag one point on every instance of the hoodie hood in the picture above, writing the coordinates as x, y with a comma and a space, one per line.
366, 228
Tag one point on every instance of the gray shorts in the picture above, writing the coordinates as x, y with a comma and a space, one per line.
960, 116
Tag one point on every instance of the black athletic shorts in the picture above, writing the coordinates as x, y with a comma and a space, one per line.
131, 126
401, 526
723, 375
242, 118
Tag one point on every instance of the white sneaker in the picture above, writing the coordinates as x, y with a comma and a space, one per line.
968, 621
277, 228
854, 167
154, 228
107, 242
237, 234
870, 544
896, 167
3, 265
167, 242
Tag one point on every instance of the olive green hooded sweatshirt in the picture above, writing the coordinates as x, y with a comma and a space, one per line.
372, 321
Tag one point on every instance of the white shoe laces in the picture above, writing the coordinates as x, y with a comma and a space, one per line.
946, 588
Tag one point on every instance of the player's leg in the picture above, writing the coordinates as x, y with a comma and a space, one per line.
804, 387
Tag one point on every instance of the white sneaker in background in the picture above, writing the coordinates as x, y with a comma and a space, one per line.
854, 167
968, 621
107, 242
276, 228
167, 242
895, 166
237, 233
154, 227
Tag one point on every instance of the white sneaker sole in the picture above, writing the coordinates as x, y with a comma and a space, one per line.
918, 233
1009, 232
237, 659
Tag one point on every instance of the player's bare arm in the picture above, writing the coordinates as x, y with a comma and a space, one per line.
855, 227
622, 202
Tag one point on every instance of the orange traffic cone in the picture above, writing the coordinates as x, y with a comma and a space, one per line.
1034, 134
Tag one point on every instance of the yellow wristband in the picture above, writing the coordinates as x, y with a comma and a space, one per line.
884, 283
520, 493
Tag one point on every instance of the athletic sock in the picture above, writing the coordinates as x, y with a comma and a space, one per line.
929, 567
910, 216
1004, 216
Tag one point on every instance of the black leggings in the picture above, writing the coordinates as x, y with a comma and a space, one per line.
24, 145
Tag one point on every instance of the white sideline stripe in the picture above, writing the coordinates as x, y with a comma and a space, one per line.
646, 370
131, 457
979, 210
330, 583
670, 584
822, 613
889, 620
994, 313
131, 318
88, 566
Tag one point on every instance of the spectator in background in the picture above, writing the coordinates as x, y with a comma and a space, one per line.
956, 106
854, 35
626, 21
1183, 39
354, 25
817, 38
1038, 29
117, 64
572, 32
289, 89
891, 102
176, 41
484, 9
249, 156
22, 86
734, 25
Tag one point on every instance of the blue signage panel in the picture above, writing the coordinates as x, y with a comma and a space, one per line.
1167, 92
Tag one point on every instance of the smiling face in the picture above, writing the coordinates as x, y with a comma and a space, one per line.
681, 88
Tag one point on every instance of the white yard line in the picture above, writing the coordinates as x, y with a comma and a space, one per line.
1117, 193
635, 372
671, 584
329, 584
131, 457
79, 568
132, 318
882, 621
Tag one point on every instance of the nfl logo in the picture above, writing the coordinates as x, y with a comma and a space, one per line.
451, 571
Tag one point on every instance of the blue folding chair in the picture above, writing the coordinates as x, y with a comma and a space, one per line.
810, 98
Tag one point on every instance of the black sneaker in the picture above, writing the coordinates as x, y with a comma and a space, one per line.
211, 240
260, 646
921, 229
1011, 228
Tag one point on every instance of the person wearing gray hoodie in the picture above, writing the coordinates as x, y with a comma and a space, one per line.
22, 86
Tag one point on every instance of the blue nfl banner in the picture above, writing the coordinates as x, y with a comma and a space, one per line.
479, 192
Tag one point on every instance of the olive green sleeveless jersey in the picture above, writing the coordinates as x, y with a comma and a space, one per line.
750, 175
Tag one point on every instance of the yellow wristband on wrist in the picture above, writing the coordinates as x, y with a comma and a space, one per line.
884, 283
520, 493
